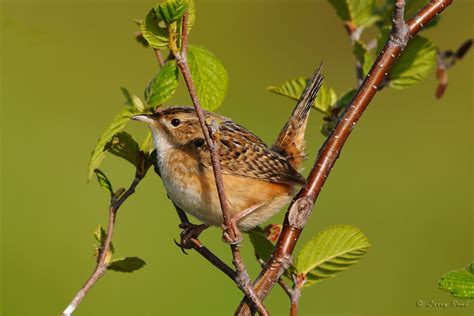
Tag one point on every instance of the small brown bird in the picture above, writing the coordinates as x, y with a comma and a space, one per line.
258, 180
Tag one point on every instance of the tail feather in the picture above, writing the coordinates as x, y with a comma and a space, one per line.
290, 142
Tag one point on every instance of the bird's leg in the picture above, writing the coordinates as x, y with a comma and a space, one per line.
233, 222
189, 232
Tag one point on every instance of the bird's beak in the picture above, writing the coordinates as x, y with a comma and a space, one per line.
145, 118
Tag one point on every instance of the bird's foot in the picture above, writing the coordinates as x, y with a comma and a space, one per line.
188, 233
227, 235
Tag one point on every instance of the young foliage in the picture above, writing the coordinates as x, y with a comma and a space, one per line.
147, 146
414, 65
209, 76
359, 13
291, 88
104, 181
294, 88
124, 146
154, 28
154, 31
460, 283
132, 100
170, 10
127, 264
118, 123
334, 249
326, 98
100, 235
163, 85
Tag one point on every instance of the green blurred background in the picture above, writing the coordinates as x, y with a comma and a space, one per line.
405, 177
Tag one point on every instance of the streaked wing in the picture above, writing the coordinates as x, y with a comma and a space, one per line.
244, 154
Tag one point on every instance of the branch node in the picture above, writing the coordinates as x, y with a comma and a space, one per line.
299, 212
400, 33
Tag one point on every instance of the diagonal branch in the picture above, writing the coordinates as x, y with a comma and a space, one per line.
204, 251
101, 266
300, 209
209, 130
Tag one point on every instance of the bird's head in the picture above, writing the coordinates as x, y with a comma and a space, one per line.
177, 125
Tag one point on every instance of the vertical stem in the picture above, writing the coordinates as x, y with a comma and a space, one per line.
242, 277
298, 283
159, 57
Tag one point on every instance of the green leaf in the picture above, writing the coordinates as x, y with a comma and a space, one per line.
334, 249
104, 181
124, 146
291, 88
154, 31
294, 88
100, 235
116, 126
147, 146
325, 100
191, 14
132, 100
415, 62
361, 13
154, 28
163, 86
170, 10
460, 283
262, 246
209, 76
363, 56
128, 264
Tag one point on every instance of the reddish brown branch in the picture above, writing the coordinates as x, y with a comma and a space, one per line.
300, 209
101, 266
209, 130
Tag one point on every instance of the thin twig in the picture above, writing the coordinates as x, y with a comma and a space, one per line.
242, 277
204, 251
298, 283
300, 209
101, 266
159, 57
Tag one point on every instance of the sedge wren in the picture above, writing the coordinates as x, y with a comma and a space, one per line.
258, 180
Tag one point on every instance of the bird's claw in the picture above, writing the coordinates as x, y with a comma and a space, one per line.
188, 233
226, 237
180, 245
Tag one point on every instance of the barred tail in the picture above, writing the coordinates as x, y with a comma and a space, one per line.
290, 142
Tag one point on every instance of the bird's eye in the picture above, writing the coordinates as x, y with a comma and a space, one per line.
175, 122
